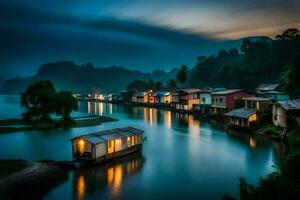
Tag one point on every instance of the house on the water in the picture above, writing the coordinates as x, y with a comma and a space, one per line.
270, 91
158, 96
137, 98
286, 113
149, 97
257, 110
104, 145
242, 118
166, 98
185, 99
223, 101
205, 99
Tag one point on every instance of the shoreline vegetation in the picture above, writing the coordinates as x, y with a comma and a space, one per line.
17, 124
20, 178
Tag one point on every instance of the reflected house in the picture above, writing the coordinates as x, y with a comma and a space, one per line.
223, 101
286, 113
112, 175
185, 99
104, 145
137, 97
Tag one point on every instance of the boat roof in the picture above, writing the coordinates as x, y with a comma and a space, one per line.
103, 136
290, 104
241, 113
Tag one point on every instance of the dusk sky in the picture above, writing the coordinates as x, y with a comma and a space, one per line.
137, 34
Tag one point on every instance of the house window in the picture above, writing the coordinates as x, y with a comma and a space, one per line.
195, 95
221, 100
203, 99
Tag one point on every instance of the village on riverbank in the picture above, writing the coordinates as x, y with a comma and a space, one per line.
266, 109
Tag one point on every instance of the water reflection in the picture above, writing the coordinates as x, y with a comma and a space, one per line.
107, 178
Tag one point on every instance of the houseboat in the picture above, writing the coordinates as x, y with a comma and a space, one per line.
104, 145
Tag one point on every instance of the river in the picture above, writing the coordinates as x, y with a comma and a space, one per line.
183, 157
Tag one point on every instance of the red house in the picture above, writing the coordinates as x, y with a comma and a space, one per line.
223, 101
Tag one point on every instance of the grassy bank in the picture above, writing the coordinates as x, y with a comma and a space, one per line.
14, 125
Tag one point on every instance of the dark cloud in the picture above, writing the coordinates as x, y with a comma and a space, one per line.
31, 37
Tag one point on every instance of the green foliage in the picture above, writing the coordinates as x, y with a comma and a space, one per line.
65, 104
282, 184
41, 99
182, 74
290, 81
141, 86
260, 61
171, 85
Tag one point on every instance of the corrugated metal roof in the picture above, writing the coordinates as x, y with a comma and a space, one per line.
102, 136
94, 139
257, 99
290, 104
267, 87
241, 113
227, 92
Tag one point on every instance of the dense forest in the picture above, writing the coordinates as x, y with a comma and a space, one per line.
262, 60
86, 78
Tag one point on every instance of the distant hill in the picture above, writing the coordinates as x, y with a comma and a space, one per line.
66, 75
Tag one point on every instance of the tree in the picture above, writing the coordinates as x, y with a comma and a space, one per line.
158, 86
66, 103
288, 34
138, 85
293, 79
172, 85
39, 101
182, 74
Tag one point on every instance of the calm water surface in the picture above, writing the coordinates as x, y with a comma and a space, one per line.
182, 158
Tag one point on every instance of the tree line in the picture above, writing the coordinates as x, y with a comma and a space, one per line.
262, 60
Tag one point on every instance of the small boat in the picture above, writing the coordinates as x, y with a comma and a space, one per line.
104, 145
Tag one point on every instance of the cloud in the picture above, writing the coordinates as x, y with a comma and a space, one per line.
31, 37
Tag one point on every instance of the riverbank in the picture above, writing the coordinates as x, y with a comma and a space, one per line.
14, 125
284, 183
21, 179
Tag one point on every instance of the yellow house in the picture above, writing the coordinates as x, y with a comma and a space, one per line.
149, 97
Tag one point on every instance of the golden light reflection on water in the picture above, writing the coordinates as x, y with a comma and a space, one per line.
194, 125
110, 175
81, 187
168, 119
252, 143
115, 177
89, 107
150, 116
